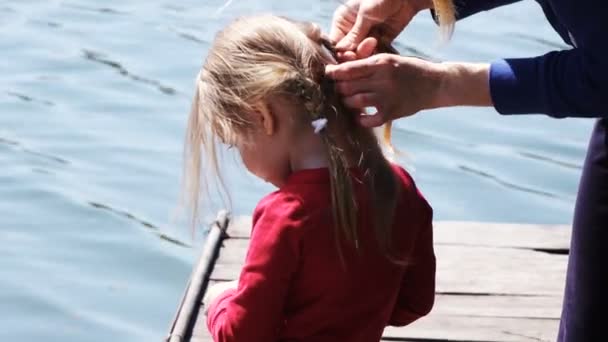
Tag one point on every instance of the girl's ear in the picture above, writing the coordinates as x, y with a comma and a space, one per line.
266, 117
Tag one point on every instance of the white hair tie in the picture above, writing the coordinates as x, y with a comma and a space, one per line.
319, 124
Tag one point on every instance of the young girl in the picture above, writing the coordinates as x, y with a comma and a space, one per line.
344, 247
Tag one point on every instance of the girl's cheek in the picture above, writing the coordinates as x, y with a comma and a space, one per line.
246, 160
250, 160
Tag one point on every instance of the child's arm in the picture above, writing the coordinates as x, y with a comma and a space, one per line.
253, 312
417, 294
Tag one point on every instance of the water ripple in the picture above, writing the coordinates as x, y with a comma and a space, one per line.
412, 51
6, 9
28, 98
542, 41
174, 8
506, 183
103, 10
138, 220
551, 160
19, 146
47, 23
98, 57
8, 142
190, 37
47, 156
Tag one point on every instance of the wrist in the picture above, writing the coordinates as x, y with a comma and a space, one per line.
463, 84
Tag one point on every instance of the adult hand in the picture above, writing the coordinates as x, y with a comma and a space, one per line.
353, 21
400, 86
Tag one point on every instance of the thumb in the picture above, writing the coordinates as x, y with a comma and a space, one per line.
366, 48
356, 34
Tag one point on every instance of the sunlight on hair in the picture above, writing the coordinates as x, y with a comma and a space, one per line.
255, 58
446, 17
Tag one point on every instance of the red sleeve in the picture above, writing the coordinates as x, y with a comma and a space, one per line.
417, 293
254, 311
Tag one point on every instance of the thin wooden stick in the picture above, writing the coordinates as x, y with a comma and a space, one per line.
181, 327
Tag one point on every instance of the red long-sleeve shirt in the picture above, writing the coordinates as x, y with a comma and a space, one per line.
294, 286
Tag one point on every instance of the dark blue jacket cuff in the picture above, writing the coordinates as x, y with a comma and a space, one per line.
513, 87
465, 8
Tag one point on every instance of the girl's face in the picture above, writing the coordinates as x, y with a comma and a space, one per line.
266, 157
280, 144
266, 149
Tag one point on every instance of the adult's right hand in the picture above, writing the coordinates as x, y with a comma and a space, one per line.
354, 20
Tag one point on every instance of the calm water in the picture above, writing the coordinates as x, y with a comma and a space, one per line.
93, 101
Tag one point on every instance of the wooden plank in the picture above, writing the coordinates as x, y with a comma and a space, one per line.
468, 269
495, 282
530, 307
462, 269
201, 339
454, 319
224, 272
477, 329
552, 237
503, 235
200, 330
241, 227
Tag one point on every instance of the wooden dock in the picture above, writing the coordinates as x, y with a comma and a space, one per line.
495, 282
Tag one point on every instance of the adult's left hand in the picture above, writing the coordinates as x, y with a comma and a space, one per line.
396, 86
400, 86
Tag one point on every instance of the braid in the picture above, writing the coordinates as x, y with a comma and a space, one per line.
318, 96
258, 57
378, 174
315, 96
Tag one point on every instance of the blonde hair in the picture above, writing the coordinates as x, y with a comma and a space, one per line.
445, 14
255, 58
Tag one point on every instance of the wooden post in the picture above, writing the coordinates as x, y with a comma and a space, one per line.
181, 327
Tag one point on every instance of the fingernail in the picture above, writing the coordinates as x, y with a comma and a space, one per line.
343, 45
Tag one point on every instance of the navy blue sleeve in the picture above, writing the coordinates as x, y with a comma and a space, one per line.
571, 83
465, 8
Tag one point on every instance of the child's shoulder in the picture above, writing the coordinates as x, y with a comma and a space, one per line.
404, 177
280, 209
280, 201
410, 191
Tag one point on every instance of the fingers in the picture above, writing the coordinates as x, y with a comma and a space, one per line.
357, 33
361, 100
366, 48
351, 70
370, 121
336, 32
343, 20
350, 88
347, 56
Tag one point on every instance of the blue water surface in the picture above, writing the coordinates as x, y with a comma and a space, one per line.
93, 103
